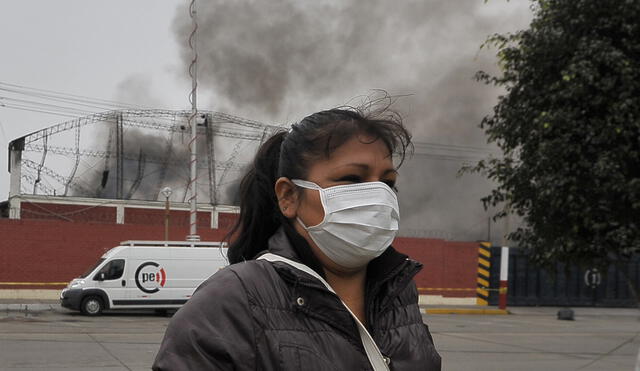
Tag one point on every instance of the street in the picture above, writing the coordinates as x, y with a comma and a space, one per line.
533, 339
64, 340
529, 339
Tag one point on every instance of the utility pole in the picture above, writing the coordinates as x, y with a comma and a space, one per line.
119, 156
193, 186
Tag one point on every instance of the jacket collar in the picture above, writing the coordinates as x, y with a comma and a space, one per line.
288, 241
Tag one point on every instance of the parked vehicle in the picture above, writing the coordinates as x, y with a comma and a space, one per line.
144, 274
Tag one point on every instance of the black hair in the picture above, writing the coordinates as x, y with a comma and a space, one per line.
290, 154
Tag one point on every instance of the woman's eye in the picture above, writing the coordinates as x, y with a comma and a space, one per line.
350, 179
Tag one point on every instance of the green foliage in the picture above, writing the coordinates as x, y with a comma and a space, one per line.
569, 126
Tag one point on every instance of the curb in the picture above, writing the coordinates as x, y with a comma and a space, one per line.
29, 308
476, 311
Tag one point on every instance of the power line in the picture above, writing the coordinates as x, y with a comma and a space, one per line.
35, 104
58, 94
451, 157
38, 111
74, 102
422, 146
75, 105
453, 152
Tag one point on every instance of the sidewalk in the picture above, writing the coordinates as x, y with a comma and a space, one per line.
578, 311
528, 311
9, 305
12, 305
29, 306
463, 309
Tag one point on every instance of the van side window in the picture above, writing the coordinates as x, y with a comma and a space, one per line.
113, 270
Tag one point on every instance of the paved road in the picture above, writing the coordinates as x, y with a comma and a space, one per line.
530, 339
68, 341
533, 339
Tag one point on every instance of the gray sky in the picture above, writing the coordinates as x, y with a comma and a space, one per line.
130, 51
87, 48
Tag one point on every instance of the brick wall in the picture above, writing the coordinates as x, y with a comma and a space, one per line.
447, 265
36, 250
55, 251
156, 217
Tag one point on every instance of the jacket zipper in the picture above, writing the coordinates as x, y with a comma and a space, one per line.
384, 303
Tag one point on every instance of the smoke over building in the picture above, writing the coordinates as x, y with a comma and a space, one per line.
279, 60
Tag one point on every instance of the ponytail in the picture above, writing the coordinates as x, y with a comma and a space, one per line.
260, 216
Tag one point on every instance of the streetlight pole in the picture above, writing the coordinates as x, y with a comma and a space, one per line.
166, 192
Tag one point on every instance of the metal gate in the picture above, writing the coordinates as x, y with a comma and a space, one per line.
530, 285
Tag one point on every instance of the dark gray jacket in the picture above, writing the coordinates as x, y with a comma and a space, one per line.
259, 315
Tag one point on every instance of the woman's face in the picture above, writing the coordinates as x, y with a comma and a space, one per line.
357, 160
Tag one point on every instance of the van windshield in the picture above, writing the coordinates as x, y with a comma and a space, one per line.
85, 274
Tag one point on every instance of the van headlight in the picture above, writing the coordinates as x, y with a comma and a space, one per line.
75, 284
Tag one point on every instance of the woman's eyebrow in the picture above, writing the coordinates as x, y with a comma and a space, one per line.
355, 164
366, 167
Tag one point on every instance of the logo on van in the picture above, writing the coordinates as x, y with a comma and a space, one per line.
149, 278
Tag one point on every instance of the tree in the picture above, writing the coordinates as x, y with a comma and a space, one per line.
569, 126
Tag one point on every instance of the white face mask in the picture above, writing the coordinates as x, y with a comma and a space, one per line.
360, 221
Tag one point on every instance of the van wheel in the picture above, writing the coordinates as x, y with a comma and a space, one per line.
92, 306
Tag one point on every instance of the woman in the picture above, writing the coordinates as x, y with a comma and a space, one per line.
317, 206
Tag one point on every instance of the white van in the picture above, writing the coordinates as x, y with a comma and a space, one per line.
144, 274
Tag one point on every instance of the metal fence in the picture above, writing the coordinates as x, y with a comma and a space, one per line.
568, 285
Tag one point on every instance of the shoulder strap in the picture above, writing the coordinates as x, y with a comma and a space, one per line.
376, 358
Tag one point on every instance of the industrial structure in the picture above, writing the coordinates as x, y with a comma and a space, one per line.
133, 155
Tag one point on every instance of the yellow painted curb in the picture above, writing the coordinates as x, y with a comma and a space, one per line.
34, 283
465, 311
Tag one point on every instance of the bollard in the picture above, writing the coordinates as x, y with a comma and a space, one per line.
504, 276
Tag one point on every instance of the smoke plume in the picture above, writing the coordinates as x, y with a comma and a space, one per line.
279, 60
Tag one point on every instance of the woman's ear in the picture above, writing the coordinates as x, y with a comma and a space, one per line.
288, 196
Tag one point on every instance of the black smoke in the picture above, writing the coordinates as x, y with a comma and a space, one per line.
278, 60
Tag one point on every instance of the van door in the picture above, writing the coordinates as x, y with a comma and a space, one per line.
111, 279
